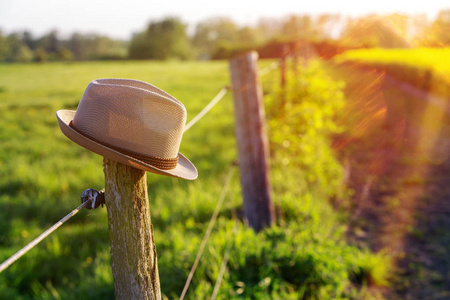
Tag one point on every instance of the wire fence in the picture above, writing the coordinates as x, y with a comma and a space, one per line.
207, 108
37, 240
49, 231
268, 69
92, 198
223, 266
208, 231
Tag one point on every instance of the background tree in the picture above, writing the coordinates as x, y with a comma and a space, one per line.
269, 28
17, 51
75, 43
162, 40
40, 55
23, 54
300, 28
438, 33
140, 47
50, 42
4, 47
28, 40
374, 31
248, 37
328, 24
64, 54
214, 34
93, 47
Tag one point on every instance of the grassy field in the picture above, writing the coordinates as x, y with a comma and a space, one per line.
421, 58
425, 68
398, 146
42, 175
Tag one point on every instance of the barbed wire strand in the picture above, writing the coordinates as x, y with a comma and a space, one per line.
268, 69
207, 108
37, 240
226, 256
208, 230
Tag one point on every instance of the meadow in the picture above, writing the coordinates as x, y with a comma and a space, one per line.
426, 68
398, 144
421, 58
305, 255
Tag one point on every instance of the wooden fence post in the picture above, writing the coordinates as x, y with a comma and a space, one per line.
283, 61
252, 142
295, 60
133, 250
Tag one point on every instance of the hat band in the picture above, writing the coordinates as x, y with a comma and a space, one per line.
157, 162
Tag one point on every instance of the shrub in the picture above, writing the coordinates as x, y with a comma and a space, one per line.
301, 122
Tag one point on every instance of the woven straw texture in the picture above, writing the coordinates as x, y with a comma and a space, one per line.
130, 115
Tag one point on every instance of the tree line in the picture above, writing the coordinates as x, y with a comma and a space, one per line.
217, 38
23, 47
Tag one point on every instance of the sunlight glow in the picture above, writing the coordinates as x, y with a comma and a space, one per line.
118, 20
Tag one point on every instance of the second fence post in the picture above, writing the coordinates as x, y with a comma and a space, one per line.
252, 142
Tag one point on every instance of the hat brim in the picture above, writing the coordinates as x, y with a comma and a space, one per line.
184, 169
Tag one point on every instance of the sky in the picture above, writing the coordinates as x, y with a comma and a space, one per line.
121, 18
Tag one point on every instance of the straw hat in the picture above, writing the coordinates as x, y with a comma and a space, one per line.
131, 122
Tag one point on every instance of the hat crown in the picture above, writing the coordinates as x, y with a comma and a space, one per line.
132, 115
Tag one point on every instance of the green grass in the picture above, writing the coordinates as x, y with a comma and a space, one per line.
42, 175
424, 58
425, 68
